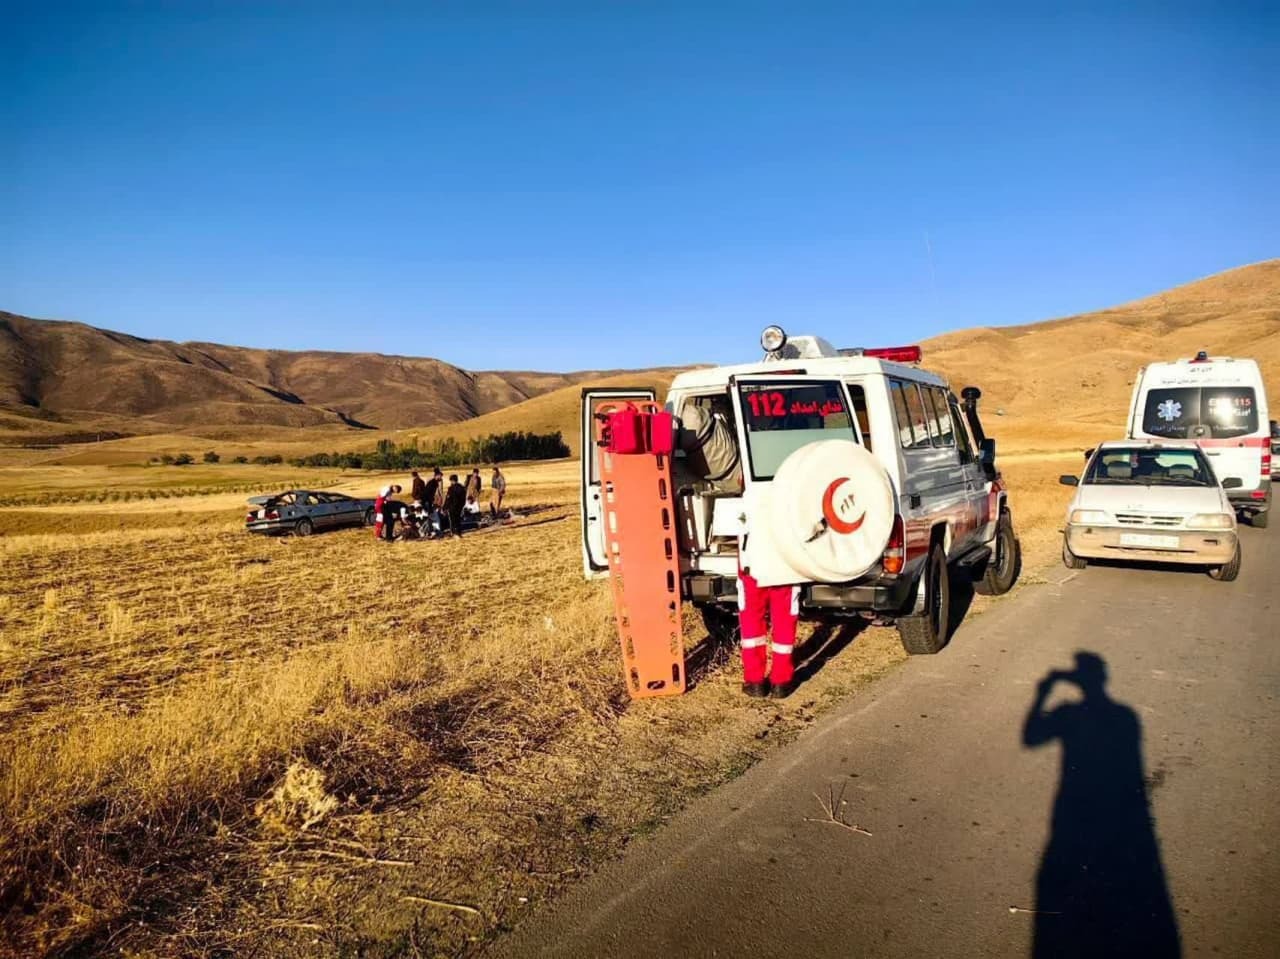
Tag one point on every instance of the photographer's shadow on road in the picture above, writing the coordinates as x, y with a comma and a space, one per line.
1101, 888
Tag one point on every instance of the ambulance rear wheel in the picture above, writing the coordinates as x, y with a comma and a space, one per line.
1006, 561
722, 624
926, 632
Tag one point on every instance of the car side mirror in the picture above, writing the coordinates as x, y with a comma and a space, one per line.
1069, 480
1232, 482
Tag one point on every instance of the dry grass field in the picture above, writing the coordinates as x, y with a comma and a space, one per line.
216, 744
212, 742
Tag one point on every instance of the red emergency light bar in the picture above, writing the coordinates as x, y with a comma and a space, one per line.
896, 354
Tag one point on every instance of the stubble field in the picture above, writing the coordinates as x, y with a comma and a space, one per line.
214, 743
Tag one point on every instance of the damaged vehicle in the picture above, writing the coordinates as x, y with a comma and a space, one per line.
303, 512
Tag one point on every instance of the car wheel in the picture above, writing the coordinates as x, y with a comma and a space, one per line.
304, 528
722, 623
1005, 564
926, 632
1259, 520
1228, 572
1069, 559
368, 516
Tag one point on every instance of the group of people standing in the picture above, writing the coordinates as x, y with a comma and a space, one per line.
438, 509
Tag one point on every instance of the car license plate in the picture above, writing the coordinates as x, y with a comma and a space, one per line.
1148, 541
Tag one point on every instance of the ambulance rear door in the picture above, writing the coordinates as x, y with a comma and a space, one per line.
595, 563
777, 415
1221, 404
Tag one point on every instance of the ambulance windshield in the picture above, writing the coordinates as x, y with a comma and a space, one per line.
781, 417
1195, 412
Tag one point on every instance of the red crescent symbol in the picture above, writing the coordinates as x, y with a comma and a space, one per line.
829, 509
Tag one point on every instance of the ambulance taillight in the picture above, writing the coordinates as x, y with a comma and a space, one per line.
896, 354
1266, 465
895, 552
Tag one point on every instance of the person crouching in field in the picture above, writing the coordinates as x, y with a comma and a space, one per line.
454, 501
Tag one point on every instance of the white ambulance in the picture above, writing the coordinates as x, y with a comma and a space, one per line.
1220, 402
862, 477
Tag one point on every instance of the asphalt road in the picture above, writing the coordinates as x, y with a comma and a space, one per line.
1157, 836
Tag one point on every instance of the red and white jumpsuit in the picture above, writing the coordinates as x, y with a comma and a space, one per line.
759, 608
377, 511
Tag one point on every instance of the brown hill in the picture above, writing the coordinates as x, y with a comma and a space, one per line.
1060, 383
1074, 376
88, 380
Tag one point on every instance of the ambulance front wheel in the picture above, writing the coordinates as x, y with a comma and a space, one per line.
926, 632
1001, 572
722, 624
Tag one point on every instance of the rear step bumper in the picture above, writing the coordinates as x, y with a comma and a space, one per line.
1243, 499
882, 595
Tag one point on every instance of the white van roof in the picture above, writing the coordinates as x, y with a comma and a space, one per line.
836, 366
1220, 370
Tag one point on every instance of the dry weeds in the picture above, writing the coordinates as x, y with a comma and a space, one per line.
215, 743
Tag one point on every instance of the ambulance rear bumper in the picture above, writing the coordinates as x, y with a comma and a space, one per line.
876, 593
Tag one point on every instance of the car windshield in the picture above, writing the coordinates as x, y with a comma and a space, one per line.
1194, 412
1149, 467
781, 417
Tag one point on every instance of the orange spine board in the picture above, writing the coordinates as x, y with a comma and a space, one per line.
644, 567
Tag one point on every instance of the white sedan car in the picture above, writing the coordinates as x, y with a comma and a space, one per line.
1151, 501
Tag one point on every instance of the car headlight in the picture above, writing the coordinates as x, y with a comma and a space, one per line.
1211, 521
1088, 517
773, 339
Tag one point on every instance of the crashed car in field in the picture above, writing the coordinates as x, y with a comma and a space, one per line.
303, 512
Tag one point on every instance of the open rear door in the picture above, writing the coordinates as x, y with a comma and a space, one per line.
595, 562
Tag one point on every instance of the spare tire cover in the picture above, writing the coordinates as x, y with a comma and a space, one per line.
832, 511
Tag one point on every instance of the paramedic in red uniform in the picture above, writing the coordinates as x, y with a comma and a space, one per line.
711, 456
762, 609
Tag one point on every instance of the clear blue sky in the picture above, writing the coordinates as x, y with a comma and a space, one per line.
578, 185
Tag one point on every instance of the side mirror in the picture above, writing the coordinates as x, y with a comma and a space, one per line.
1069, 480
1232, 482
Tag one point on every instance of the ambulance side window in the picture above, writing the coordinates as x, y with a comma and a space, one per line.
940, 417
912, 421
900, 414
858, 397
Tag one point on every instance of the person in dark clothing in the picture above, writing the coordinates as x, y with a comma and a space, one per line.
390, 510
418, 490
434, 500
454, 500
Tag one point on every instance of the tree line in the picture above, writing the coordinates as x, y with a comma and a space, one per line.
494, 448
